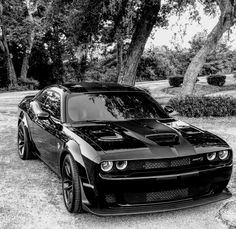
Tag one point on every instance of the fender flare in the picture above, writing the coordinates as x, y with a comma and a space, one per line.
22, 118
73, 148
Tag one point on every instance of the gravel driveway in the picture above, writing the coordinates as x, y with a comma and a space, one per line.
31, 197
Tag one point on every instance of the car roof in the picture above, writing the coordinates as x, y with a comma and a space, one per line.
81, 87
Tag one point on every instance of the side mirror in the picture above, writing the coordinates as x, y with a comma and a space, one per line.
168, 109
43, 115
39, 113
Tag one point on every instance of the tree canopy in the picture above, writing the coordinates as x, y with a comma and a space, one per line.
77, 39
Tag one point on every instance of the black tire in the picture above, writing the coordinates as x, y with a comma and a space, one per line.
23, 143
71, 185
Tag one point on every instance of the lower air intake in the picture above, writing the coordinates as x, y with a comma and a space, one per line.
134, 198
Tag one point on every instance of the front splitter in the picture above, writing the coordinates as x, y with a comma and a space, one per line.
159, 207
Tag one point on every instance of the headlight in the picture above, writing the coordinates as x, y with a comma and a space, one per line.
223, 155
121, 165
211, 156
106, 166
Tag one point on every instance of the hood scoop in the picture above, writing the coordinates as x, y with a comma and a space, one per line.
164, 139
106, 135
190, 130
111, 137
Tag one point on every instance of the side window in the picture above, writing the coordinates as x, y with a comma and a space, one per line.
43, 97
53, 104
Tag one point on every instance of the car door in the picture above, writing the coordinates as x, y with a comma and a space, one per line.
45, 132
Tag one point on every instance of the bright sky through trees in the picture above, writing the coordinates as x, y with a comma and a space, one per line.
174, 34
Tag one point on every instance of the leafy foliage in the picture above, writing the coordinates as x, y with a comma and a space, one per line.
40, 65
200, 106
220, 60
70, 37
216, 80
154, 65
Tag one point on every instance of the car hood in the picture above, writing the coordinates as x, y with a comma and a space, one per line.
148, 138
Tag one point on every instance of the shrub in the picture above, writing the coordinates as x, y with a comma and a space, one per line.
154, 65
176, 81
234, 75
200, 106
216, 80
102, 75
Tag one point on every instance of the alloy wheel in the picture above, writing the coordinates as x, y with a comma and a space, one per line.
67, 183
21, 141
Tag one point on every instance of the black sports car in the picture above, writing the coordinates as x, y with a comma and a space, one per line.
118, 151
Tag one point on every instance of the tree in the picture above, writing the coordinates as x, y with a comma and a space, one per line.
112, 21
217, 61
148, 18
226, 21
77, 23
5, 10
35, 12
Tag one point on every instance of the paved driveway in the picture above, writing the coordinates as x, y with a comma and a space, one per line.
30, 194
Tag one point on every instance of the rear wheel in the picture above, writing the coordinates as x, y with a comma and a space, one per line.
71, 185
23, 143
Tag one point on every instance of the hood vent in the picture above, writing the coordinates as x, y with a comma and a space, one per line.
190, 130
164, 139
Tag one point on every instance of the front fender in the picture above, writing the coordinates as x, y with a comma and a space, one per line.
74, 149
22, 118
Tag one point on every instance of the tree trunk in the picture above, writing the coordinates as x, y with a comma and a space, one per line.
82, 56
25, 63
11, 71
120, 62
224, 23
31, 36
10, 67
25, 66
142, 31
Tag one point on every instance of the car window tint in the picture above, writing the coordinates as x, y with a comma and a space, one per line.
53, 104
112, 107
43, 97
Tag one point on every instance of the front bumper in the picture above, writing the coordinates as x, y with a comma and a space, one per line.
159, 193
158, 207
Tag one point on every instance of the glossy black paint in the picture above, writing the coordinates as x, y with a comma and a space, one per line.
90, 143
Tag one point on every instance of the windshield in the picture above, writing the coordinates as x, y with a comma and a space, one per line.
112, 106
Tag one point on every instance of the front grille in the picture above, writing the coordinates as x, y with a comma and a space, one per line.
167, 195
148, 197
158, 164
156, 196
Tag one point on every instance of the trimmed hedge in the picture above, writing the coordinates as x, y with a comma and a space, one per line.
176, 81
204, 106
216, 80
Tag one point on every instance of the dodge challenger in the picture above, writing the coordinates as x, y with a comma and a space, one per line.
118, 152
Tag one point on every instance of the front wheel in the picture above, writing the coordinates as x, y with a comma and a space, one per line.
24, 144
71, 185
